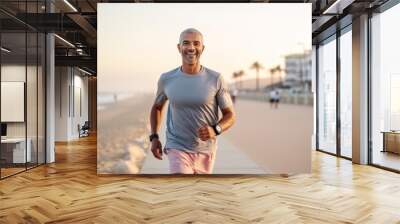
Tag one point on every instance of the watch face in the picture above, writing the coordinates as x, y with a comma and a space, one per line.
218, 128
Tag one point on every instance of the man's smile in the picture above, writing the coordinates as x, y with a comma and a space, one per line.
191, 55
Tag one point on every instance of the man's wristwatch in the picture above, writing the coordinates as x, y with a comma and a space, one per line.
217, 129
153, 136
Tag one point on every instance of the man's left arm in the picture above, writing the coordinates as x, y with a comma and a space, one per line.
224, 101
228, 119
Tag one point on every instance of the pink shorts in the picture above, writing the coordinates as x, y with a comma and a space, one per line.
181, 162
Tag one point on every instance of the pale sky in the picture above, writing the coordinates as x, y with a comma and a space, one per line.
137, 42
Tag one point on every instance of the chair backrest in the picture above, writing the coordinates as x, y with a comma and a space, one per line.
86, 125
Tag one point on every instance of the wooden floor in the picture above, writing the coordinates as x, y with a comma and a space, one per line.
11, 170
69, 191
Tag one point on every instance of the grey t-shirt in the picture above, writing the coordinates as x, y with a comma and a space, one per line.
194, 100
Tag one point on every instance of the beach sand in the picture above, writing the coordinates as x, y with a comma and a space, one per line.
122, 135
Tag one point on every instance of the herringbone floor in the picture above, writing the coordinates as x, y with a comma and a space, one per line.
69, 191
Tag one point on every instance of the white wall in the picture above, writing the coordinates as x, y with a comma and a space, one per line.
71, 87
62, 81
80, 83
12, 73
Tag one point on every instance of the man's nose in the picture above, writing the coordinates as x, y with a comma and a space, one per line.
191, 46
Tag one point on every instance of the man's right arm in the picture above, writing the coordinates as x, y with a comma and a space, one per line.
155, 117
155, 122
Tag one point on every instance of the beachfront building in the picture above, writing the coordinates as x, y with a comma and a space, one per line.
49, 91
298, 71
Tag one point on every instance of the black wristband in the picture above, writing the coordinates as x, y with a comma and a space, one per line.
215, 130
153, 136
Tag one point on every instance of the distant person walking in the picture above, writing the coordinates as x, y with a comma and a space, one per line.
274, 98
234, 93
115, 97
195, 94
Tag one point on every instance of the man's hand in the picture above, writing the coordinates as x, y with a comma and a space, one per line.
156, 148
205, 133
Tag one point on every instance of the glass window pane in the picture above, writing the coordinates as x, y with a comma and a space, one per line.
386, 89
346, 94
327, 97
22, 87
13, 86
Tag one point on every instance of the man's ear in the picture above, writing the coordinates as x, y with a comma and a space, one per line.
203, 48
179, 48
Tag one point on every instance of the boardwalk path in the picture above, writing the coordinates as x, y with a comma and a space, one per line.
263, 140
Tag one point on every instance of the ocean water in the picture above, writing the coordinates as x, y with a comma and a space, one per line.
105, 99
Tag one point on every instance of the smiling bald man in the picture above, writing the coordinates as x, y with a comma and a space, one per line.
195, 94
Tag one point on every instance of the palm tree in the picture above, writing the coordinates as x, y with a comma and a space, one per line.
273, 71
235, 76
257, 66
279, 70
240, 74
